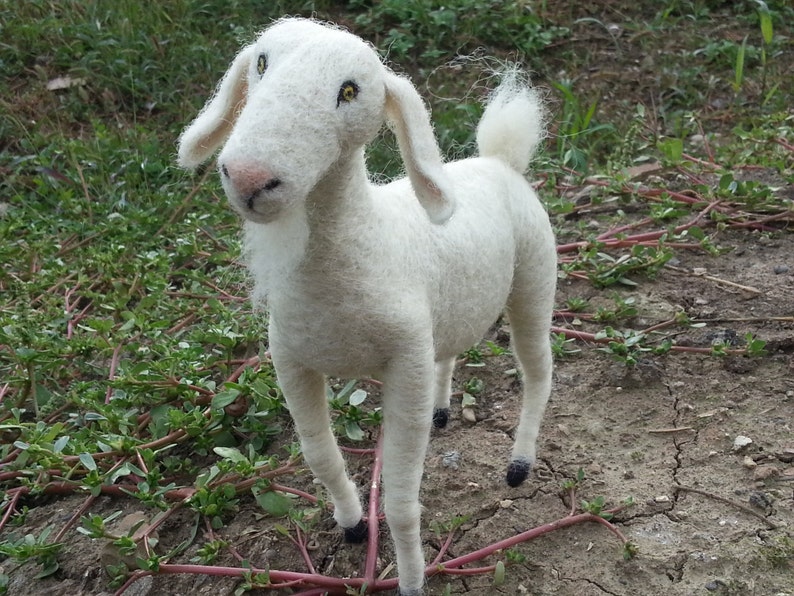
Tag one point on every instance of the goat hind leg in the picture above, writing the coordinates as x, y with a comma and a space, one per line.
531, 345
443, 388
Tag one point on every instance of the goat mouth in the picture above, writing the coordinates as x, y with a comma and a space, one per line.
249, 203
261, 209
270, 186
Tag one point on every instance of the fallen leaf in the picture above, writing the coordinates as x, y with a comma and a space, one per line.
66, 82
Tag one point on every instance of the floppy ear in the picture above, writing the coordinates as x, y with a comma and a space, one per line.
214, 123
419, 149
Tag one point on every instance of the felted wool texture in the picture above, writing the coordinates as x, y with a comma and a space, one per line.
390, 281
514, 125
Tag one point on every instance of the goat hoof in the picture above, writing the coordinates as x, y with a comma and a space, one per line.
440, 417
517, 471
357, 534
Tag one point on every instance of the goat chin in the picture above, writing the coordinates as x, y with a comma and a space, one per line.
392, 280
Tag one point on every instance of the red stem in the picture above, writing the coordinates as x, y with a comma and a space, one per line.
83, 508
300, 542
531, 534
372, 515
288, 489
11, 507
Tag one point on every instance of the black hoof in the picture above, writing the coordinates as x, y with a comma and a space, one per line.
440, 417
517, 471
357, 534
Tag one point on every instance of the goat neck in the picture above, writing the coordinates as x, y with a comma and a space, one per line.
342, 195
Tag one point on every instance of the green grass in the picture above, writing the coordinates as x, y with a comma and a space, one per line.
124, 324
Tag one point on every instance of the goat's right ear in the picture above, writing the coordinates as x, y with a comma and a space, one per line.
419, 149
214, 123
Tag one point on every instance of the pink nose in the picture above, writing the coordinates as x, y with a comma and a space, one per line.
248, 179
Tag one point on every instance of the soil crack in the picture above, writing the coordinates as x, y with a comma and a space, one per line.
678, 442
586, 580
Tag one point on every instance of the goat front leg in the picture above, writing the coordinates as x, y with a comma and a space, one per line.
304, 392
407, 417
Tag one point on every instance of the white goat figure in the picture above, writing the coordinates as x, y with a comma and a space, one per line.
391, 281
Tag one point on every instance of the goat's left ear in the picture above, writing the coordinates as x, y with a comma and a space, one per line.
214, 123
422, 158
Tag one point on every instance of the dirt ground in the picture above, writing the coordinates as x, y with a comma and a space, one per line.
642, 432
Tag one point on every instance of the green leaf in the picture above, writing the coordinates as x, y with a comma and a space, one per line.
275, 503
126, 469
499, 573
357, 397
738, 78
766, 21
353, 431
672, 149
230, 453
60, 444
88, 462
629, 551
223, 398
50, 566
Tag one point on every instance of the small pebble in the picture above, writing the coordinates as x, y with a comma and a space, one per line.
741, 442
451, 459
662, 499
760, 499
765, 472
787, 455
594, 469
468, 415
748, 463
505, 503
781, 269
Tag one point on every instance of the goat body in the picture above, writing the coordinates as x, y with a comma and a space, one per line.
391, 281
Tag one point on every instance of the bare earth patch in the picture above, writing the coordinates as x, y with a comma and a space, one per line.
710, 516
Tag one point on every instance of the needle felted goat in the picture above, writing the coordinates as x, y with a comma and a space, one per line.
393, 280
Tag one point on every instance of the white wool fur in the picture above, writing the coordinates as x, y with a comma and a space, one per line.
391, 281
512, 102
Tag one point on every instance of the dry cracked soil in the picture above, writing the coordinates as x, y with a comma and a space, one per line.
713, 513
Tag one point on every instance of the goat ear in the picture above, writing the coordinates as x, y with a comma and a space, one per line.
214, 123
422, 158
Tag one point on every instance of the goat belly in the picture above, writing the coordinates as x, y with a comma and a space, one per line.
333, 343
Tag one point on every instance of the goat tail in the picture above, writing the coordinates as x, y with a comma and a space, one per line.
513, 124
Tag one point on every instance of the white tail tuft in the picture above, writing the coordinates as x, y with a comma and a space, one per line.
513, 124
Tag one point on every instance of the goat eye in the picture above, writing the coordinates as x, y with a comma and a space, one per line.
347, 93
261, 64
